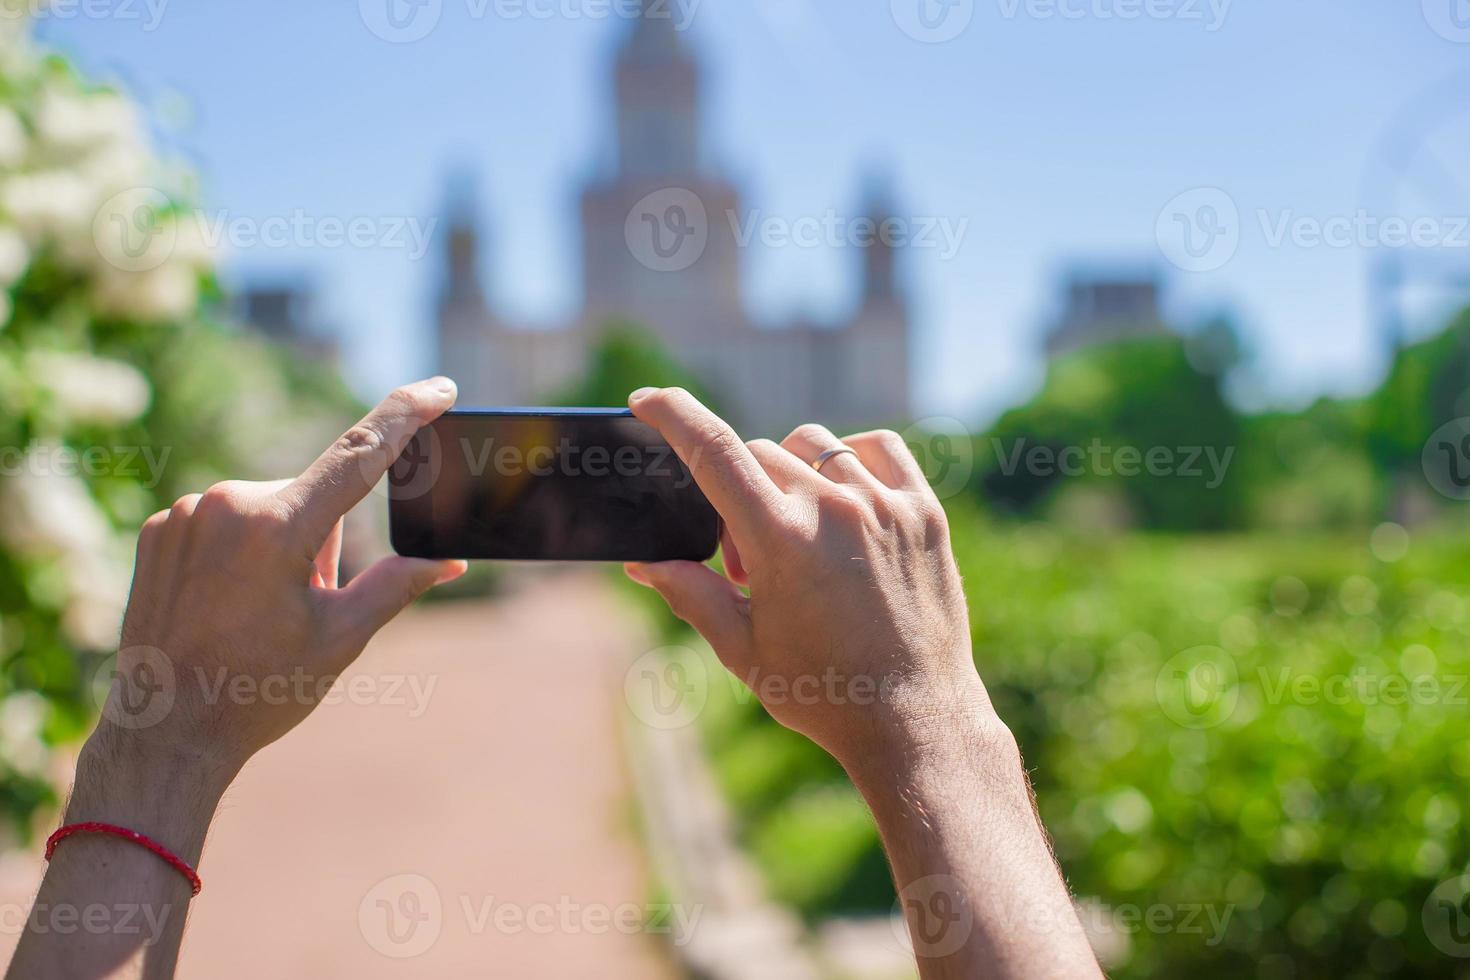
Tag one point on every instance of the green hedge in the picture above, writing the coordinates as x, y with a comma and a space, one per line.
1320, 823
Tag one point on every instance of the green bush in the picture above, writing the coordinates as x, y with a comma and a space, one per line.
1320, 822
1128, 397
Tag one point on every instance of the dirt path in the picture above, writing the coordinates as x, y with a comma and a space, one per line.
466, 813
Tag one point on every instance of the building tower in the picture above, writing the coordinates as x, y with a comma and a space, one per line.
657, 245
878, 355
463, 314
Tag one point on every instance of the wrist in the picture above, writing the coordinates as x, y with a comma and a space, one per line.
156, 790
940, 737
920, 717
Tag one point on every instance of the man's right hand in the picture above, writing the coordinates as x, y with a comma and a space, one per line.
856, 632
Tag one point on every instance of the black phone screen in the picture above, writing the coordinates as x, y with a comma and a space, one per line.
547, 485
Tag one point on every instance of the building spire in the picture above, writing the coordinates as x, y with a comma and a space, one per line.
880, 283
462, 286
654, 33
657, 91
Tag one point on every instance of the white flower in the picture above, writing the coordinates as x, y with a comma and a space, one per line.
91, 389
169, 292
98, 596
14, 257
45, 509
72, 122
47, 513
132, 231
48, 204
22, 718
115, 166
18, 58
12, 139
193, 246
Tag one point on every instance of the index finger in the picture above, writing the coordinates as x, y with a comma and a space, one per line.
354, 464
735, 483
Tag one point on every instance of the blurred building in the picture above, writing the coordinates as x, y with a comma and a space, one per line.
634, 220
286, 313
1103, 309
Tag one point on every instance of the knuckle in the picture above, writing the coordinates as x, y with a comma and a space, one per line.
932, 519
811, 432
150, 531
361, 438
184, 506
220, 504
404, 399
666, 398
761, 445
718, 438
220, 497
846, 508
890, 441
231, 503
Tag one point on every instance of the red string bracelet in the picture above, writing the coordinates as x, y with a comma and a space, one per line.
92, 827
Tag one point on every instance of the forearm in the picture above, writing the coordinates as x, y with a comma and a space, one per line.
108, 907
977, 880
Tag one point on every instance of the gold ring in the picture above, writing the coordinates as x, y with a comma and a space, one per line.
821, 460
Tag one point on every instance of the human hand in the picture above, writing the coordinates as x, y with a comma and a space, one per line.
236, 627
855, 632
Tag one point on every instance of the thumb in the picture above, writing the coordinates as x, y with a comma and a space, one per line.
386, 588
706, 600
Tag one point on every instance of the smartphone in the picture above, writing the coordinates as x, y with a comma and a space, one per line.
546, 484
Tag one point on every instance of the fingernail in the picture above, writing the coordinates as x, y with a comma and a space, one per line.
442, 384
641, 393
635, 572
451, 571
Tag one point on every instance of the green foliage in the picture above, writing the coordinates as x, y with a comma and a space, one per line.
1321, 819
1427, 386
1336, 465
1309, 470
1098, 403
627, 357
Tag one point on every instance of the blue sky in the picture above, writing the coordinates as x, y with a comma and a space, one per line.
1059, 130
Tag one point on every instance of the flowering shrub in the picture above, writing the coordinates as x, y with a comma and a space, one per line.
116, 396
